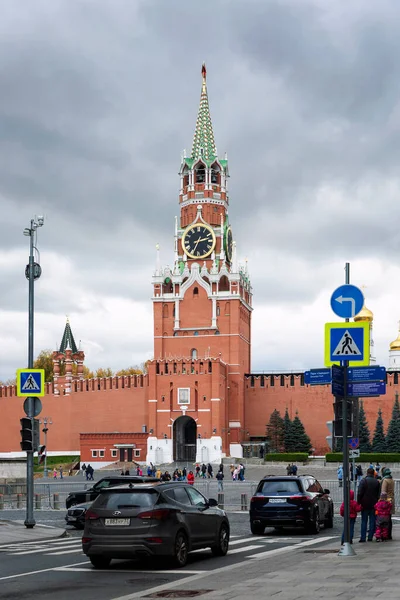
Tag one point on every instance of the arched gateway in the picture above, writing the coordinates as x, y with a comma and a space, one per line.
184, 435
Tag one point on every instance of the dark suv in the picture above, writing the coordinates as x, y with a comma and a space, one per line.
159, 519
91, 494
290, 502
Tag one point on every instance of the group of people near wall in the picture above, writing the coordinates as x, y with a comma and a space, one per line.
376, 503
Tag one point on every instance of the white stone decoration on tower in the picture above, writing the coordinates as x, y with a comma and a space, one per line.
394, 353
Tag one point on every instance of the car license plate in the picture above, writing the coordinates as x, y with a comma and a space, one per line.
276, 500
117, 522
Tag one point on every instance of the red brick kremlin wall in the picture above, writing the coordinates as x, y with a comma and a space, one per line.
120, 404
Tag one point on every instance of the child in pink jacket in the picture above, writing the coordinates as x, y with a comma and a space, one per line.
383, 510
354, 509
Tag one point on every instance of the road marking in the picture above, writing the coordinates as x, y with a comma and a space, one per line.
40, 547
244, 540
40, 571
127, 571
73, 551
244, 549
234, 566
285, 549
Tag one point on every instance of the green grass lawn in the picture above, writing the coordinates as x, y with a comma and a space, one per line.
66, 462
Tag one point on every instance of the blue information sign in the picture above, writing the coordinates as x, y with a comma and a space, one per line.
337, 389
347, 301
366, 388
317, 376
366, 373
338, 374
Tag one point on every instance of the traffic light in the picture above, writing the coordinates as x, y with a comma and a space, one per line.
27, 434
30, 434
338, 423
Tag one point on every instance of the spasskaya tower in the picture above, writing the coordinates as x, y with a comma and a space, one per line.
202, 318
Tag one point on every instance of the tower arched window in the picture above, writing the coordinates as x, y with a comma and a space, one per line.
185, 178
215, 174
195, 292
223, 285
193, 353
218, 310
200, 171
227, 308
165, 311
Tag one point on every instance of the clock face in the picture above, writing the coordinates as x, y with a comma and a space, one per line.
228, 244
198, 241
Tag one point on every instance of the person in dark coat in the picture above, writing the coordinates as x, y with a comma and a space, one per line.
367, 496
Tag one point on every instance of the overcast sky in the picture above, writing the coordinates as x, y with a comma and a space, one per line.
98, 98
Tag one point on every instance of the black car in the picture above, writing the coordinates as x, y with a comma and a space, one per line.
76, 515
91, 493
160, 519
297, 501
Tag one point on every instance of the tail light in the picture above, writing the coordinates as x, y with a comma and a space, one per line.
256, 498
91, 515
159, 513
302, 498
86, 540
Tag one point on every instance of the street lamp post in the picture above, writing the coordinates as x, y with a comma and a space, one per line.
46, 421
32, 272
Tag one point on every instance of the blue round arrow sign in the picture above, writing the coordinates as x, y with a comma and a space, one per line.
347, 301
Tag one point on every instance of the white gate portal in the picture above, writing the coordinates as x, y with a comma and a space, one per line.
205, 455
159, 456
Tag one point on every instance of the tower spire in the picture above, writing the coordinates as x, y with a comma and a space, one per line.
68, 342
203, 141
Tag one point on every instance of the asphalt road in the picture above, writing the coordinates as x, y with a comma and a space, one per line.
58, 570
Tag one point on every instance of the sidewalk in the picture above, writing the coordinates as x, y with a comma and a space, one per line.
12, 532
302, 574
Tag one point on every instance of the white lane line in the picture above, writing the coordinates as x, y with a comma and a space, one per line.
244, 549
42, 548
73, 551
35, 543
260, 555
40, 571
233, 567
126, 571
253, 538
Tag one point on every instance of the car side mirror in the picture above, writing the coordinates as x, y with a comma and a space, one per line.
212, 502
327, 491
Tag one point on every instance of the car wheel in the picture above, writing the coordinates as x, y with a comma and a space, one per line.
180, 549
221, 548
257, 528
100, 562
328, 523
314, 524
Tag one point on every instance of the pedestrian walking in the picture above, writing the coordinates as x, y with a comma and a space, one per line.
383, 517
190, 478
359, 473
61, 473
387, 485
220, 478
367, 496
197, 469
54, 473
340, 475
354, 509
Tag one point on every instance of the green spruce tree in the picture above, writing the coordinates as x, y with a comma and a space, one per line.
287, 424
379, 440
299, 440
393, 432
275, 432
364, 433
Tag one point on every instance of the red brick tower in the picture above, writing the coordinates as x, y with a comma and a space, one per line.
66, 356
202, 318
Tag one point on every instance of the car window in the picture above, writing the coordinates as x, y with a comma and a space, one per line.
320, 489
178, 494
196, 498
133, 499
312, 486
102, 484
279, 488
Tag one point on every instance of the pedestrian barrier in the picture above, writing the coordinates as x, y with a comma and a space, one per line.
221, 500
1, 501
38, 501
19, 500
56, 501
243, 501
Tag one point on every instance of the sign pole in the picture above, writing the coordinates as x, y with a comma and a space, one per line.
346, 549
30, 520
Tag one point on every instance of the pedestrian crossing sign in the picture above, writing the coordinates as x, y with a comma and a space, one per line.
30, 382
347, 341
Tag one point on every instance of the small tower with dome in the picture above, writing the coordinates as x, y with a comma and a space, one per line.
365, 315
394, 353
